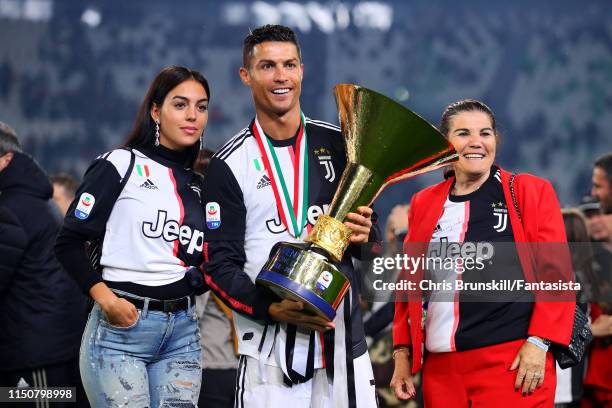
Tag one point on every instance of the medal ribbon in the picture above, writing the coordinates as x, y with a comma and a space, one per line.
292, 209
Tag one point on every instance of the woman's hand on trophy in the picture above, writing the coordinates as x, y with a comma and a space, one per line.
360, 223
292, 311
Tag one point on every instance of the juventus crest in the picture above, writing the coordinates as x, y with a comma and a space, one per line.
501, 215
330, 173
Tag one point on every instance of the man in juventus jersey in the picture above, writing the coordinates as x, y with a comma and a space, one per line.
269, 183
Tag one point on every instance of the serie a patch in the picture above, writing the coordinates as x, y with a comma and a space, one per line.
85, 205
213, 215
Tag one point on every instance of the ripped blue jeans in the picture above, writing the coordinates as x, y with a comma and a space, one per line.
156, 362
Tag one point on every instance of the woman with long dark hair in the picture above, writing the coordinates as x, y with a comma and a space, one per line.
139, 209
483, 348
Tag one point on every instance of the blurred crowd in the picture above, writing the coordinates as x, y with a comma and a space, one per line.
74, 100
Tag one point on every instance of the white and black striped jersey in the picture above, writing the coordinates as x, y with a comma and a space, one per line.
476, 319
152, 229
245, 224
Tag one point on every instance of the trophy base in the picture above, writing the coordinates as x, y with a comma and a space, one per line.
294, 272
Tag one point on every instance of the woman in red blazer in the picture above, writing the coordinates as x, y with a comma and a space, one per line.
482, 354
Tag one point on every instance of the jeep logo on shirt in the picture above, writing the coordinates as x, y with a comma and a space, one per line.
276, 226
170, 231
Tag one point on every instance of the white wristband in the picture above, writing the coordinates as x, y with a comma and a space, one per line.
538, 342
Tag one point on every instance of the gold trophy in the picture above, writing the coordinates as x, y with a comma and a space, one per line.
385, 143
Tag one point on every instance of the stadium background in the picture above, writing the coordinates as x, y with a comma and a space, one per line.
72, 73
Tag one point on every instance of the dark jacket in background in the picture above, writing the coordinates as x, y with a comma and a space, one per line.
42, 311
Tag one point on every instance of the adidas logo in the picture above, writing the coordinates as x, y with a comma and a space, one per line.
196, 189
263, 182
148, 184
497, 176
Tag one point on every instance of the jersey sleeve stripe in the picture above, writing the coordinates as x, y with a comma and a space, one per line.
228, 145
322, 124
237, 305
235, 147
120, 158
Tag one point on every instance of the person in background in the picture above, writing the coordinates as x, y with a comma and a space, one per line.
600, 222
598, 381
589, 207
64, 189
42, 312
569, 388
602, 182
378, 321
219, 342
483, 352
599, 227
219, 352
141, 203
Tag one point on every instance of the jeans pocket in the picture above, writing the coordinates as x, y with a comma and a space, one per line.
104, 322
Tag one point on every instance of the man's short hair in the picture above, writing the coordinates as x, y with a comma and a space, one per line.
269, 32
8, 140
68, 182
605, 163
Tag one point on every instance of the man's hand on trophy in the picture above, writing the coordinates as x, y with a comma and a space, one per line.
293, 312
360, 223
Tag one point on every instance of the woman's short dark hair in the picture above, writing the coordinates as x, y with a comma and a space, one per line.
143, 131
465, 105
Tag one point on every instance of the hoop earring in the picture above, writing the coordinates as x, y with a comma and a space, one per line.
156, 133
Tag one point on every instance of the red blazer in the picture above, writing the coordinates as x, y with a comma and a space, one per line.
542, 222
